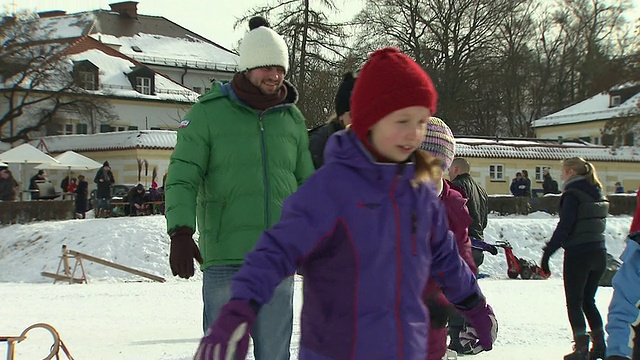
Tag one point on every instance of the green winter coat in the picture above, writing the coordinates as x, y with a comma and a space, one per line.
232, 168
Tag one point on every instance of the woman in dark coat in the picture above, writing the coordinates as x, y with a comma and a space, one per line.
82, 192
580, 232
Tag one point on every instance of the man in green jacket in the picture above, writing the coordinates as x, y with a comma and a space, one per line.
241, 150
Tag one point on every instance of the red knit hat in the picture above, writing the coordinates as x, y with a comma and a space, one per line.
388, 81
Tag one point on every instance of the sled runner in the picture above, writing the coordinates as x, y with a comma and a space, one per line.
525, 268
55, 347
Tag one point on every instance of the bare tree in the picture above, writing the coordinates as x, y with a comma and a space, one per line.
37, 82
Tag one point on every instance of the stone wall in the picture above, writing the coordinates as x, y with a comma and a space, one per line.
22, 212
507, 205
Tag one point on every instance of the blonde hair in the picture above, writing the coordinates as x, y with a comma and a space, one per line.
427, 167
583, 168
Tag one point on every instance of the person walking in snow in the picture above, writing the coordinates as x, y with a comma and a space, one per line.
241, 150
104, 181
580, 232
368, 243
549, 186
440, 143
318, 137
82, 193
623, 324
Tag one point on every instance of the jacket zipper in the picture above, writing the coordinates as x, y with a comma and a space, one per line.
414, 245
264, 172
396, 209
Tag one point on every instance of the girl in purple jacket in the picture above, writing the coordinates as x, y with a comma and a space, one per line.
367, 230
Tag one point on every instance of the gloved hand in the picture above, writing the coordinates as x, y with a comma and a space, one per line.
492, 249
438, 313
182, 252
228, 337
544, 263
482, 330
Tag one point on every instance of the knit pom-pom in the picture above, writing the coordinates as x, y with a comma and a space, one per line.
257, 21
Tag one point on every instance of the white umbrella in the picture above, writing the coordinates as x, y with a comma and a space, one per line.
25, 154
71, 160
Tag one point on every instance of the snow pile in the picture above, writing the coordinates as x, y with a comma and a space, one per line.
142, 243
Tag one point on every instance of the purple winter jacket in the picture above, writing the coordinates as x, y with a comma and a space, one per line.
367, 241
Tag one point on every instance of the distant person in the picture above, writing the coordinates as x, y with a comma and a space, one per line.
478, 205
623, 327
105, 181
318, 137
82, 194
527, 181
619, 188
580, 232
8, 185
137, 200
40, 177
518, 186
549, 186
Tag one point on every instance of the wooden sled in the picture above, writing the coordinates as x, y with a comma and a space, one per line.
55, 348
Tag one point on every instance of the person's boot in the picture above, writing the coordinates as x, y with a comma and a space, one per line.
598, 347
580, 348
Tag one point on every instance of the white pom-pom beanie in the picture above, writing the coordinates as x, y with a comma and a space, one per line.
262, 47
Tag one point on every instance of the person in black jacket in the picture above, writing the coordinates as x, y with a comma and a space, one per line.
82, 193
580, 232
104, 180
318, 137
549, 186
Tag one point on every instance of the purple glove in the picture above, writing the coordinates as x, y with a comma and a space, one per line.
228, 337
484, 327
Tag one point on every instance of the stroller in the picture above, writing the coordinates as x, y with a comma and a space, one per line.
525, 268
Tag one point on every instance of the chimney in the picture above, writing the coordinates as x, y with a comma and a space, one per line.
126, 8
51, 13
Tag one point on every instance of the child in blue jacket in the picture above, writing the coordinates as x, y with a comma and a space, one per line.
367, 230
624, 313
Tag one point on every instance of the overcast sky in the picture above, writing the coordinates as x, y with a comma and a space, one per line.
213, 19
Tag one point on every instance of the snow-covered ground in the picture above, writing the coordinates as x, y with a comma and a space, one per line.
123, 316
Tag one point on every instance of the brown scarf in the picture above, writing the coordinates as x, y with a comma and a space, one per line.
252, 95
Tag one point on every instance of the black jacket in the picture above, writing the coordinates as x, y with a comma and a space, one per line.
82, 192
318, 139
583, 218
477, 203
549, 186
104, 186
7, 189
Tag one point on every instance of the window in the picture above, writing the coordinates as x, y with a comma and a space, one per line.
105, 128
496, 172
614, 100
539, 169
197, 89
629, 139
136, 48
143, 85
206, 90
81, 128
68, 129
608, 139
596, 140
87, 80
133, 128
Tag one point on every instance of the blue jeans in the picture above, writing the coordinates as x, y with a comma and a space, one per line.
104, 203
271, 333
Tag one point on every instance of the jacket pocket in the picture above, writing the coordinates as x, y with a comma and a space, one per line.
214, 212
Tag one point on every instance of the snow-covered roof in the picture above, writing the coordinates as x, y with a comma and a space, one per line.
591, 109
113, 79
141, 139
169, 51
529, 149
465, 147
62, 27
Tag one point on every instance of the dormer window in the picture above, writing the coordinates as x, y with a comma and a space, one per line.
142, 80
143, 85
85, 75
615, 100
